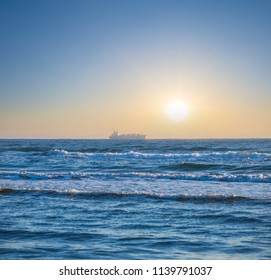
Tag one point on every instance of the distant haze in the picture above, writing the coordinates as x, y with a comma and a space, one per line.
82, 69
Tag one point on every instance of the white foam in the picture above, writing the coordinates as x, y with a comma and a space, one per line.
225, 177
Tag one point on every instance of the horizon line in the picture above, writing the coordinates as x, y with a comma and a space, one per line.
146, 139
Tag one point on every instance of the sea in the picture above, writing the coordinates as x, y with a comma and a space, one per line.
135, 199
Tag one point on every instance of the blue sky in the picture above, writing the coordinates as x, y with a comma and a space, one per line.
84, 68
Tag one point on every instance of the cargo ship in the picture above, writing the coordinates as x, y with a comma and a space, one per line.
117, 135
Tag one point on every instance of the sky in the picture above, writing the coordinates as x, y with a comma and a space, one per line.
164, 68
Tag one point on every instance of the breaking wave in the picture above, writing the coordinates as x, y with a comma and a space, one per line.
134, 154
25, 175
209, 198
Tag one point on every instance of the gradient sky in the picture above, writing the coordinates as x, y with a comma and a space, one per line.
81, 69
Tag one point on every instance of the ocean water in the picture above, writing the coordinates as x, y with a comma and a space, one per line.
153, 199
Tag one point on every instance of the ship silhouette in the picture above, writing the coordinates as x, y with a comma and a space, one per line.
117, 135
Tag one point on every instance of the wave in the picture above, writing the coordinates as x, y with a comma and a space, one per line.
115, 154
186, 166
195, 167
209, 198
25, 175
135, 154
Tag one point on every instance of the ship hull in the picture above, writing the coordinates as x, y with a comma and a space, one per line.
127, 137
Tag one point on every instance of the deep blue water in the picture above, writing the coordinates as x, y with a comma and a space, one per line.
153, 199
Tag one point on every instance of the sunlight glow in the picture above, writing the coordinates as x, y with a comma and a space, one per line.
177, 111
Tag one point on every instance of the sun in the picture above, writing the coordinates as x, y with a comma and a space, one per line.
177, 110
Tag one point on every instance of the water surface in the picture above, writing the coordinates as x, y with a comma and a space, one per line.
153, 199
